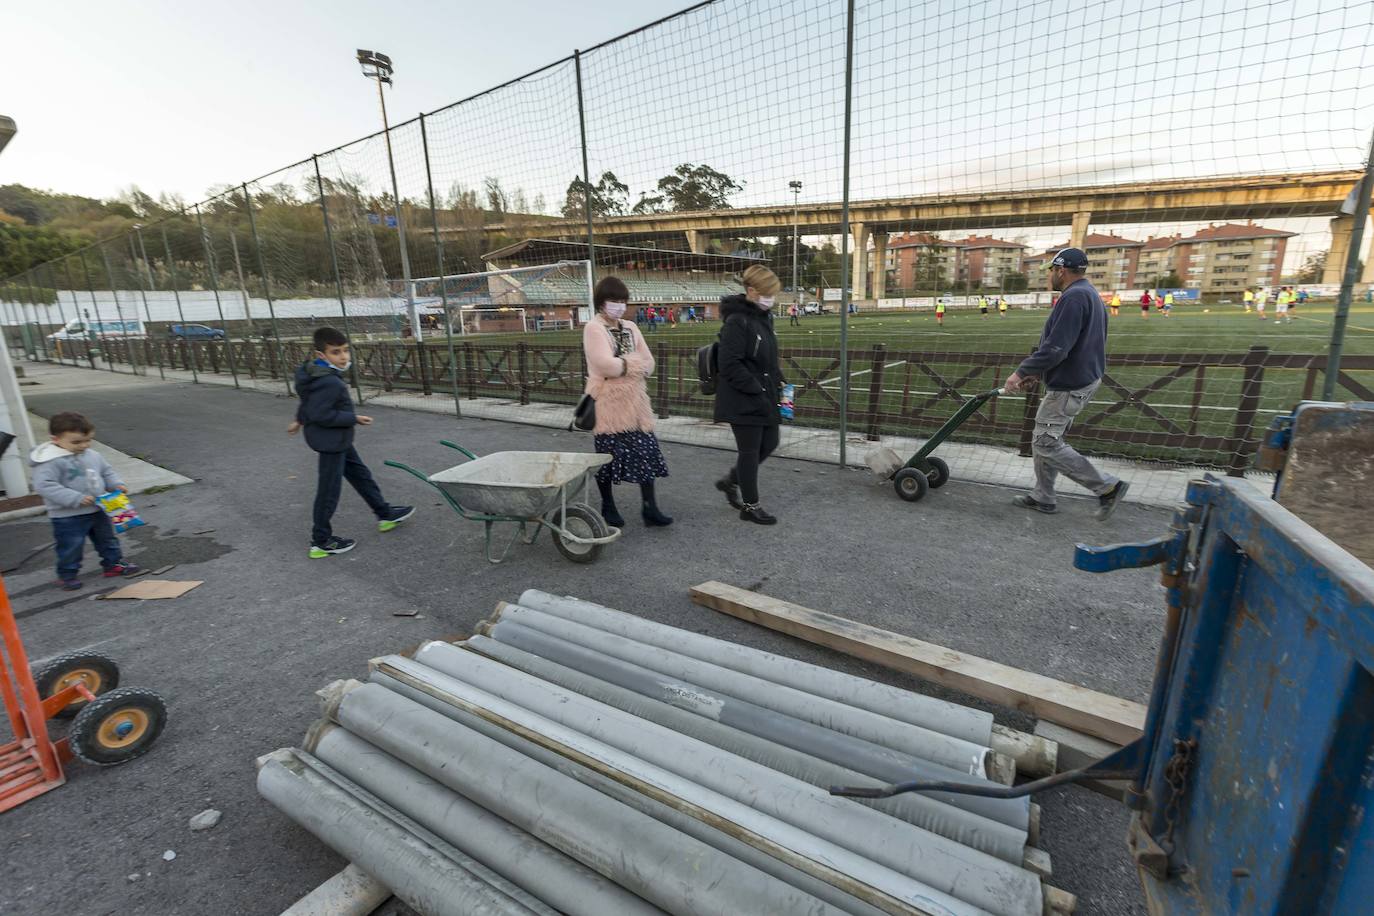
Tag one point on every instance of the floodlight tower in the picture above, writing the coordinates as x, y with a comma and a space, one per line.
377, 66
796, 187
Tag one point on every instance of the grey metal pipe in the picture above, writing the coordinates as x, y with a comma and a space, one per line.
417, 873
637, 852
504, 848
699, 830
936, 861
955, 753
1007, 843
853, 753
913, 708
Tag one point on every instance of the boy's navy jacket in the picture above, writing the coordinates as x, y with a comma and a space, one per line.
326, 410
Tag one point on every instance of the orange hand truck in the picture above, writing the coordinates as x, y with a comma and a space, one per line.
110, 724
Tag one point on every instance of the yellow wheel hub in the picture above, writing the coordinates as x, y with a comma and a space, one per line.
123, 727
88, 676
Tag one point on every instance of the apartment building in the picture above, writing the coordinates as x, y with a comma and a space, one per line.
1230, 257
984, 261
1154, 260
1112, 261
921, 261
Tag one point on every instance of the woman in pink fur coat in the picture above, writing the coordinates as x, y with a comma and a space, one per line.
618, 362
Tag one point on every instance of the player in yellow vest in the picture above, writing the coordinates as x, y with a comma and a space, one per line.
1249, 300
1116, 304
1001, 306
940, 312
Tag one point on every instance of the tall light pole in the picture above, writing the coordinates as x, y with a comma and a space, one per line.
377, 66
796, 202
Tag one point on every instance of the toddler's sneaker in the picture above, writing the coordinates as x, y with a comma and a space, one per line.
123, 569
68, 585
332, 546
393, 518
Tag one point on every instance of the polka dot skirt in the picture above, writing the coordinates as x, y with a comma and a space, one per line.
637, 457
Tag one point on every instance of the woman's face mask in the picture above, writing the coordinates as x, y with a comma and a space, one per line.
614, 310
765, 302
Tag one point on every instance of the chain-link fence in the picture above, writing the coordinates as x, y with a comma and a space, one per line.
906, 169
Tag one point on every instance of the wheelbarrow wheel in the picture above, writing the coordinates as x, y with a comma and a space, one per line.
911, 484
119, 726
939, 472
98, 672
583, 521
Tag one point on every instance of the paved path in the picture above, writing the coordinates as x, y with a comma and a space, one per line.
239, 657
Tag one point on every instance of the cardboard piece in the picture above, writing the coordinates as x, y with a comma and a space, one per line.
154, 588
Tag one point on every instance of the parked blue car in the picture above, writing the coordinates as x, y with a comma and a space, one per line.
196, 332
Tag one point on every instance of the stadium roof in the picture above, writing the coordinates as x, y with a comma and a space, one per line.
547, 251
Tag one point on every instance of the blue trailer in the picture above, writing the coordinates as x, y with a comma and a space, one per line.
1252, 784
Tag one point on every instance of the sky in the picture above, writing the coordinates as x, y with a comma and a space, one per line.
177, 96
950, 96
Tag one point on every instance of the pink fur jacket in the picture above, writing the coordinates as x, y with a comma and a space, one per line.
622, 401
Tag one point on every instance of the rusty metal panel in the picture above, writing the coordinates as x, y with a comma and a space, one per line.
1328, 479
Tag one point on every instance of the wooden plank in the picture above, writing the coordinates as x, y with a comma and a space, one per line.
1079, 708
1077, 750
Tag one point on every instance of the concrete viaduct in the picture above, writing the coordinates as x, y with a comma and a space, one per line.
1313, 194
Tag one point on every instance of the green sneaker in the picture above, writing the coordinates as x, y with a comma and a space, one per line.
397, 515
330, 547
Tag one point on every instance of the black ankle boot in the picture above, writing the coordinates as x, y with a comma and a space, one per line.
653, 518
728, 486
608, 510
757, 514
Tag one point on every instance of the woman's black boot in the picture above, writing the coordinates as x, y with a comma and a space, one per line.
651, 514
608, 510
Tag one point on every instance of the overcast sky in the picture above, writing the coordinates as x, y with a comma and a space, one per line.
177, 96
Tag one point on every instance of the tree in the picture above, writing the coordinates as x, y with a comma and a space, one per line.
1313, 268
497, 201
1171, 280
929, 271
693, 187
609, 197
1015, 283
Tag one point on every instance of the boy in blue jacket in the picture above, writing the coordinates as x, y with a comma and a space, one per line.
326, 413
69, 475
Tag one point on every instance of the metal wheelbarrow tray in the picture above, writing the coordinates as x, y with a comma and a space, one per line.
527, 488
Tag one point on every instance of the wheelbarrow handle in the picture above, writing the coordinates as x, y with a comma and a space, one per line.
457, 447
408, 469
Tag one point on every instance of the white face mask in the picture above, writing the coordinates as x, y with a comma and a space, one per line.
765, 302
614, 310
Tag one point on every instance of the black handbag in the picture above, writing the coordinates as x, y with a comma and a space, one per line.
584, 414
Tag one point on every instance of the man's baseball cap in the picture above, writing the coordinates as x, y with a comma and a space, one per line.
1072, 258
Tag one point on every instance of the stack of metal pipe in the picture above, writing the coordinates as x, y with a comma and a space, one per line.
573, 758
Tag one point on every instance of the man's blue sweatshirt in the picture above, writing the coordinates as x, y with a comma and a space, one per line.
1072, 352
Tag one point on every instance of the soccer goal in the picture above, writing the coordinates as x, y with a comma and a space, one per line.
515, 300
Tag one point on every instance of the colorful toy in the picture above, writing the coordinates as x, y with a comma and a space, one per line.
120, 510
786, 407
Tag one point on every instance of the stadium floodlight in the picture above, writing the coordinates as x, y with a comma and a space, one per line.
796, 187
377, 66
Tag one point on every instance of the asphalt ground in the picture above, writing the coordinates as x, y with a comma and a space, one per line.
238, 658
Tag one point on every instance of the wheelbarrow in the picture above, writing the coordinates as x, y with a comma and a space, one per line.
110, 724
923, 471
531, 490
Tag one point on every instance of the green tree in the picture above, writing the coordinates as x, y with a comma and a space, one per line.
1313, 268
609, 197
1015, 283
690, 187
1171, 280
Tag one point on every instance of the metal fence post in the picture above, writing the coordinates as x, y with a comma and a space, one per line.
1242, 442
194, 361
119, 310
662, 370
443, 284
470, 371
76, 308
147, 311
522, 369
91, 331
266, 291
247, 309
586, 171
37, 333
1352, 272
214, 285
844, 235
334, 262
875, 391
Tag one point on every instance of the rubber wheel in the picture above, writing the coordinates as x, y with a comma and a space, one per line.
98, 672
911, 484
939, 472
118, 726
583, 521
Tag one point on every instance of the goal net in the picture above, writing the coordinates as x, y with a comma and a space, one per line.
542, 297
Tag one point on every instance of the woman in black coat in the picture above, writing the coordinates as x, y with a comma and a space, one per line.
750, 388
